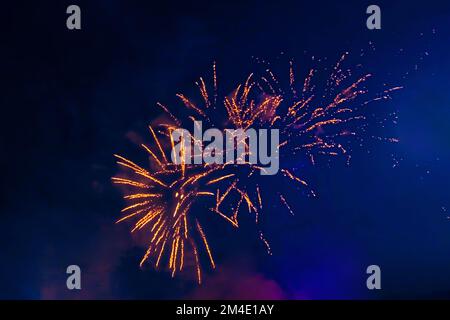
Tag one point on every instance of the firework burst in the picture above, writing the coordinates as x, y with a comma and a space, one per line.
310, 124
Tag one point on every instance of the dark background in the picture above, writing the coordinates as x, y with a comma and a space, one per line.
71, 99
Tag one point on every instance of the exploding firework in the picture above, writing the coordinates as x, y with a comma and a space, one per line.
310, 124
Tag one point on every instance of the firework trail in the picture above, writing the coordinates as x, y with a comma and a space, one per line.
310, 124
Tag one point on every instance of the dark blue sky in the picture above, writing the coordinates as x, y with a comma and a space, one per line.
73, 98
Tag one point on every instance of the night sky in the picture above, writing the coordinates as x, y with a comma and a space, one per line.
73, 98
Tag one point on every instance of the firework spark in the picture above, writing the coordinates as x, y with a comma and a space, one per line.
310, 124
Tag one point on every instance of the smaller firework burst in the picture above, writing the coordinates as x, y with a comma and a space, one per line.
163, 201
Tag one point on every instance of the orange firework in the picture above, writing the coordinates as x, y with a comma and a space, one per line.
162, 204
309, 124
